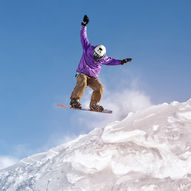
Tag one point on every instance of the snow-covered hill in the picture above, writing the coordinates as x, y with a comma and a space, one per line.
149, 150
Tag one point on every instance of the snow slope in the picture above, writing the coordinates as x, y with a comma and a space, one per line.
149, 150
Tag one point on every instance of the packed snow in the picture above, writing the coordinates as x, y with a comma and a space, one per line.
149, 150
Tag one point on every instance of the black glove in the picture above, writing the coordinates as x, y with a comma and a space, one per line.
126, 60
85, 20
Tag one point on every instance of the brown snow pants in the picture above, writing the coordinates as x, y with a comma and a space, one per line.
82, 82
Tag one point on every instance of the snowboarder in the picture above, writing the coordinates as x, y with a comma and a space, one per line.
88, 69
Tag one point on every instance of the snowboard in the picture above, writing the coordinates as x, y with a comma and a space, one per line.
85, 109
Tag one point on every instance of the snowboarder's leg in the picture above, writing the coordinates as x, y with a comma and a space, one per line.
78, 90
97, 87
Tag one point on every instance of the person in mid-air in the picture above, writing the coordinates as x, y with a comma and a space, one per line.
88, 69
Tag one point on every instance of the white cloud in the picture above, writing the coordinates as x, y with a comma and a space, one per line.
125, 101
6, 161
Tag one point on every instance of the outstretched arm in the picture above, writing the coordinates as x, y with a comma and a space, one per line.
113, 61
83, 32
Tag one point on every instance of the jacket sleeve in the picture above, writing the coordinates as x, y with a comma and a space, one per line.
83, 36
111, 61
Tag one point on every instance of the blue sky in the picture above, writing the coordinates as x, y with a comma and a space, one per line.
40, 50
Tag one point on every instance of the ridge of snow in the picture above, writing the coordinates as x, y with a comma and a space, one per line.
149, 150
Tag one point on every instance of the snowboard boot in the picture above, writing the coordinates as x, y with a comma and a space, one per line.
75, 103
96, 107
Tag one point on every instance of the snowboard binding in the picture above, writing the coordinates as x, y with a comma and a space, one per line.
75, 103
96, 107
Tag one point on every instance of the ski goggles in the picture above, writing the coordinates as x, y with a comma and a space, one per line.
97, 56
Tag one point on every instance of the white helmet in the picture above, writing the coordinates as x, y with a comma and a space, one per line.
99, 51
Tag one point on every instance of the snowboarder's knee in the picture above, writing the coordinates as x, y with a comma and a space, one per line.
101, 87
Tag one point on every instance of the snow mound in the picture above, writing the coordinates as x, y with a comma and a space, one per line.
149, 150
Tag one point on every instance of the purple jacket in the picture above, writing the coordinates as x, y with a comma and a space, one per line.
88, 65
